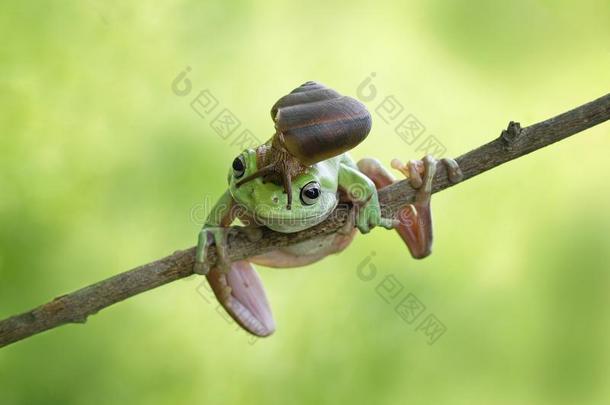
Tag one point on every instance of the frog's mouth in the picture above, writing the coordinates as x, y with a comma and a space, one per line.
284, 223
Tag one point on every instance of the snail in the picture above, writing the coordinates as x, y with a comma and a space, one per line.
312, 123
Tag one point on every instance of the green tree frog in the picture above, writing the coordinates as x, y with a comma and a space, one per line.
294, 181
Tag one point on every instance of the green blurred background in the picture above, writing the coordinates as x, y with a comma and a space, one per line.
102, 167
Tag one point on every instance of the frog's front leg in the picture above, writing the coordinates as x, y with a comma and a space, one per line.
361, 191
415, 219
236, 285
214, 231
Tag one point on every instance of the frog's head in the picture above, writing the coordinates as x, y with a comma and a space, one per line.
313, 191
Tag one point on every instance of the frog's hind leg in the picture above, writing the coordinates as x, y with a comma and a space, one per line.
415, 220
242, 295
421, 175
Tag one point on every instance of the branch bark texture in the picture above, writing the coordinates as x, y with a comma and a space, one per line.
75, 307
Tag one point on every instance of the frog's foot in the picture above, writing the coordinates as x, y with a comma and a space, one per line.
416, 218
415, 169
366, 211
209, 236
242, 295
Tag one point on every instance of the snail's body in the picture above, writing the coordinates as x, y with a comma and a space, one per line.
293, 182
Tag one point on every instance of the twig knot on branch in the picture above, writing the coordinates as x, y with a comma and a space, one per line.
509, 135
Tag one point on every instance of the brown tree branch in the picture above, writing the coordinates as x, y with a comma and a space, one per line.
75, 307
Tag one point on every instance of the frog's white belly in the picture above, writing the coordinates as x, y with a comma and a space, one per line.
311, 247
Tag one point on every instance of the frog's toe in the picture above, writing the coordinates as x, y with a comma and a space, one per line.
454, 172
201, 268
412, 170
364, 228
389, 223
362, 220
242, 295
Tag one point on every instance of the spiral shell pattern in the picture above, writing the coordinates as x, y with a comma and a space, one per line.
315, 123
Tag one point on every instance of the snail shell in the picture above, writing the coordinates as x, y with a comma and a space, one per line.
317, 123
312, 123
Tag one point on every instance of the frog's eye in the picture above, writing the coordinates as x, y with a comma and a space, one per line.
239, 167
310, 193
